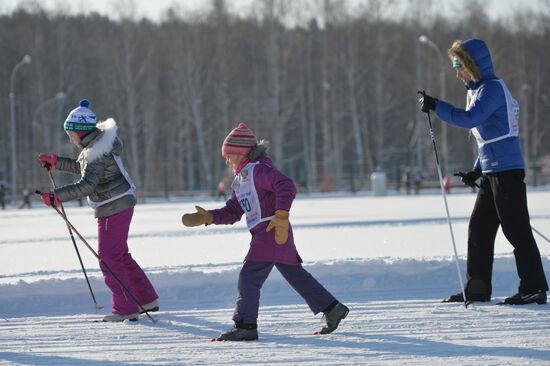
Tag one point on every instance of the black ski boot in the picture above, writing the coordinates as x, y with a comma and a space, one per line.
470, 297
240, 332
524, 298
333, 316
476, 290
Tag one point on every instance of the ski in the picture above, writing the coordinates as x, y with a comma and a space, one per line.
152, 310
220, 339
121, 321
530, 303
105, 322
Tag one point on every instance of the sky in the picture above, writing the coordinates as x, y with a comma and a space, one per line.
153, 9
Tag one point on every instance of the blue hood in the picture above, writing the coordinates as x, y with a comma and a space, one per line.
489, 112
480, 54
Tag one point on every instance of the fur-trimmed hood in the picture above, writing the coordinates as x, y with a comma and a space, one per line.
474, 55
103, 141
260, 148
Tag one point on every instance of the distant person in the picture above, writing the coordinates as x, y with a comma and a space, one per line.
492, 115
3, 196
222, 189
408, 180
447, 184
398, 179
418, 178
27, 193
111, 194
264, 195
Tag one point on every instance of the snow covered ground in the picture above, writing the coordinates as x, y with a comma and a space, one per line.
388, 258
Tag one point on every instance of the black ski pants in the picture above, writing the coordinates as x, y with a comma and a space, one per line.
502, 200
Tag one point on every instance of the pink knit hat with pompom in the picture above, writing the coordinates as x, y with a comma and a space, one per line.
239, 141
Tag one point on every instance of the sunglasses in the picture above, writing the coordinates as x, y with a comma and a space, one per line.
456, 63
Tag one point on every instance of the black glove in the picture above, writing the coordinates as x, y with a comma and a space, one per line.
469, 178
427, 103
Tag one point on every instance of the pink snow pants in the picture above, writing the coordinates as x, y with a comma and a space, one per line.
113, 250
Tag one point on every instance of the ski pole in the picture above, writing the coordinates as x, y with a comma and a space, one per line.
460, 174
538, 232
446, 205
97, 306
101, 262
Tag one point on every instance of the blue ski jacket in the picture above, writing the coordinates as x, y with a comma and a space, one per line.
491, 115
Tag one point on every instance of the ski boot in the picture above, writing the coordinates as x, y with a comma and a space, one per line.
240, 332
524, 298
333, 317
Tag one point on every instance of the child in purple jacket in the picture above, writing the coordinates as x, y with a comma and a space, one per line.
265, 196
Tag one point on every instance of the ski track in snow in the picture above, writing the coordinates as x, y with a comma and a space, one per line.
400, 269
420, 332
229, 230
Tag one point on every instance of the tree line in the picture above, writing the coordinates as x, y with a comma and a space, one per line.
334, 94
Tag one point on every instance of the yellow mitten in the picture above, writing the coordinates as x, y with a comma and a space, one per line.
280, 223
198, 218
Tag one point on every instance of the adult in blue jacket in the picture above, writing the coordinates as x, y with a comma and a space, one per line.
492, 116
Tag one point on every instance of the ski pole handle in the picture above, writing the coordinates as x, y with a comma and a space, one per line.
50, 196
462, 175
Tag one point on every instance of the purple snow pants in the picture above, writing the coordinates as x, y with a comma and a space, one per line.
253, 276
113, 250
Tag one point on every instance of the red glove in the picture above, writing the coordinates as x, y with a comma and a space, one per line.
48, 161
49, 198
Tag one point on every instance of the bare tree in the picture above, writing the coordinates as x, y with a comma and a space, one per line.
195, 65
333, 88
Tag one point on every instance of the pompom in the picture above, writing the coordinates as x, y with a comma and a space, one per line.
85, 103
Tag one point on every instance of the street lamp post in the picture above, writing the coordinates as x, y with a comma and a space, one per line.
37, 123
24, 61
444, 153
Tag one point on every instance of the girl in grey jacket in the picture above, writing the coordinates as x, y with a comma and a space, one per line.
111, 193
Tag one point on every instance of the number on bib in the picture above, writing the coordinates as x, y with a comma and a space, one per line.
245, 205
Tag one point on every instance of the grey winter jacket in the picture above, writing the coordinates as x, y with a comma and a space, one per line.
102, 180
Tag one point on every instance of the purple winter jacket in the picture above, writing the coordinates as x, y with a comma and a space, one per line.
275, 192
